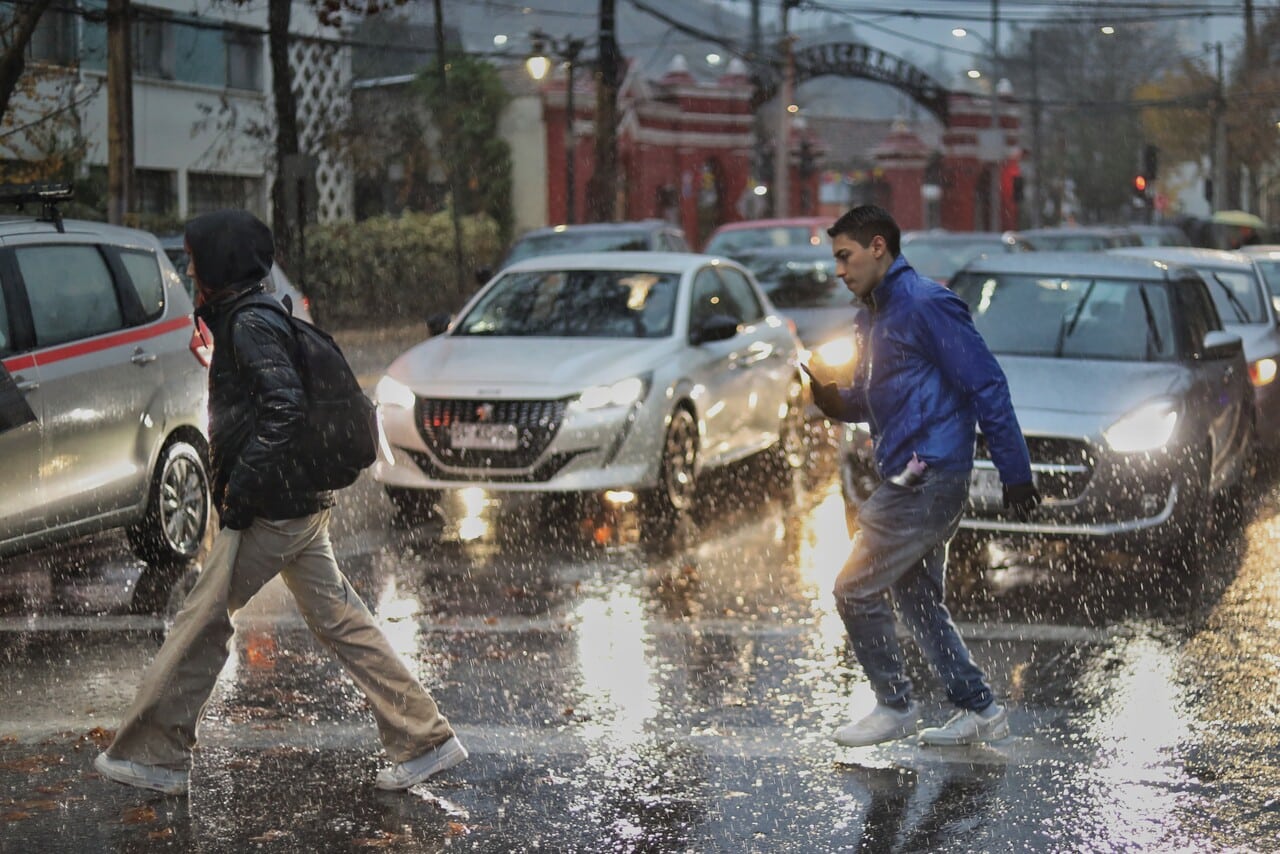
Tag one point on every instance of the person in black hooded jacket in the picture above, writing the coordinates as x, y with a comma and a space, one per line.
270, 523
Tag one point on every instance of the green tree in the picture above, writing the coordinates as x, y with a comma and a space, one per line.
479, 156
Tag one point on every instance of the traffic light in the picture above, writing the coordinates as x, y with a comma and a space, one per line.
1149, 162
1140, 187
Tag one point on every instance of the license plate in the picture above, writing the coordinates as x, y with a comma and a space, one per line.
984, 485
485, 437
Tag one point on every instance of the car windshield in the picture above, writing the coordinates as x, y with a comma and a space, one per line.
940, 259
1271, 275
1070, 242
576, 304
1068, 317
799, 282
738, 239
562, 242
1236, 295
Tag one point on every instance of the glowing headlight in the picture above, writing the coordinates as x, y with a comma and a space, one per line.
1146, 428
838, 351
622, 393
1262, 371
391, 392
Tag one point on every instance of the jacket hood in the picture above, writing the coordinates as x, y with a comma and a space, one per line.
231, 249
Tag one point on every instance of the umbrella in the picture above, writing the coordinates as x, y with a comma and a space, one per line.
14, 411
1243, 219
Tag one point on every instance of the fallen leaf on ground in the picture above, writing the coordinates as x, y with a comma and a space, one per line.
16, 815
161, 834
270, 836
51, 790
8, 739
32, 764
40, 805
456, 828
139, 815
100, 736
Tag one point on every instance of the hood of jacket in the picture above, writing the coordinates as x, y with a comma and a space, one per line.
231, 250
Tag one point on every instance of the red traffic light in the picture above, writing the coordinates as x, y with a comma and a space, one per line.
1140, 183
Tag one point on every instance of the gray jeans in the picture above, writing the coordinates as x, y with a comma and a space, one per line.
160, 726
900, 558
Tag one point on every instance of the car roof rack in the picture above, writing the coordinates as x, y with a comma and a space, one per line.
48, 195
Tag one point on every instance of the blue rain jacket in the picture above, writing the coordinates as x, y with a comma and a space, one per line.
925, 379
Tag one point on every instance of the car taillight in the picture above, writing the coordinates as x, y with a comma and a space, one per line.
201, 345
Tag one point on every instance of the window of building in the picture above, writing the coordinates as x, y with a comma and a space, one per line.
54, 39
155, 191
152, 37
244, 59
208, 191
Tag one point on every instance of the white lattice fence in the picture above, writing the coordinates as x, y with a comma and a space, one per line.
322, 85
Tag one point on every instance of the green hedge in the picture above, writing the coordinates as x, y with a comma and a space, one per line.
393, 269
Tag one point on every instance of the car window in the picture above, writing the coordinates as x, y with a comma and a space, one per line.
708, 298
1198, 308
1081, 318
144, 272
576, 303
1271, 275
735, 240
1236, 295
6, 346
746, 304
799, 282
70, 291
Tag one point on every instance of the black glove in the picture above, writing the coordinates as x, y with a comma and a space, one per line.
826, 396
235, 516
1022, 499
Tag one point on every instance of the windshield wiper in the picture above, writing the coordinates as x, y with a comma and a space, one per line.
1065, 328
1153, 333
1242, 314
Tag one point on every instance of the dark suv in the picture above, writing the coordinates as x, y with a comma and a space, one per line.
97, 337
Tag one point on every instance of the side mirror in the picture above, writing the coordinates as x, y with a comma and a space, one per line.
1219, 344
483, 275
717, 327
438, 324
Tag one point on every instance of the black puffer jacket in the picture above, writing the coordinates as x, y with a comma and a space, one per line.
257, 404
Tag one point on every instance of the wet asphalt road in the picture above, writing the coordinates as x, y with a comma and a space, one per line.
677, 697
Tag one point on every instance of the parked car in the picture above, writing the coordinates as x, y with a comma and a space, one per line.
1079, 238
1134, 400
96, 331
278, 285
939, 254
618, 375
650, 235
1267, 257
732, 238
1159, 235
1240, 293
802, 284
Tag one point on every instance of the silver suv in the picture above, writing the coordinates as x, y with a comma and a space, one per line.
96, 332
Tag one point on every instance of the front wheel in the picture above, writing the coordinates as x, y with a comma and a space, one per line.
177, 512
677, 475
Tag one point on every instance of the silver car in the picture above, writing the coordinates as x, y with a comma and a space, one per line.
278, 284
1135, 403
621, 375
96, 331
1240, 292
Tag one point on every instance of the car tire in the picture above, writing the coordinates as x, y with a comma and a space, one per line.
172, 530
413, 506
791, 453
676, 492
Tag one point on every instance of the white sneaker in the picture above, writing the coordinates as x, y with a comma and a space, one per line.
442, 757
883, 724
153, 777
967, 727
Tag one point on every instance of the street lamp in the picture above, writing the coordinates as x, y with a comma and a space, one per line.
538, 64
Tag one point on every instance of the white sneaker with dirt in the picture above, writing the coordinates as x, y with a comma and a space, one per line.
967, 727
153, 777
884, 724
439, 758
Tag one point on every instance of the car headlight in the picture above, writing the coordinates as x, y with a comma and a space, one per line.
1146, 428
1262, 372
390, 392
622, 393
836, 352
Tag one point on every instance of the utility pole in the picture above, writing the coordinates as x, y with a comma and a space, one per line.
1037, 199
285, 222
997, 151
1219, 151
602, 189
449, 142
782, 145
757, 79
119, 112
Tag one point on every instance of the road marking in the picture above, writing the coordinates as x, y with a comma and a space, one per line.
76, 623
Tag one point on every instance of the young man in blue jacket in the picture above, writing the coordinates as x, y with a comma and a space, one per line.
925, 379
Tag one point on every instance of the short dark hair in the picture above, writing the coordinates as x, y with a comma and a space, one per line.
864, 222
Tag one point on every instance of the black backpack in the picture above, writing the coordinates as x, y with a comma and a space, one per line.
341, 437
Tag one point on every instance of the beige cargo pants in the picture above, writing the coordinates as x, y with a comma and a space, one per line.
160, 727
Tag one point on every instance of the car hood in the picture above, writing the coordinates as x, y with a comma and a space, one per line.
1260, 340
1083, 397
469, 366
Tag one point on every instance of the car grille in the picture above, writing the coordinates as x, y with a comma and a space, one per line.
545, 470
537, 421
1062, 467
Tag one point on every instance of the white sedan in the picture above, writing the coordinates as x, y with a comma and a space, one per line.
621, 375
